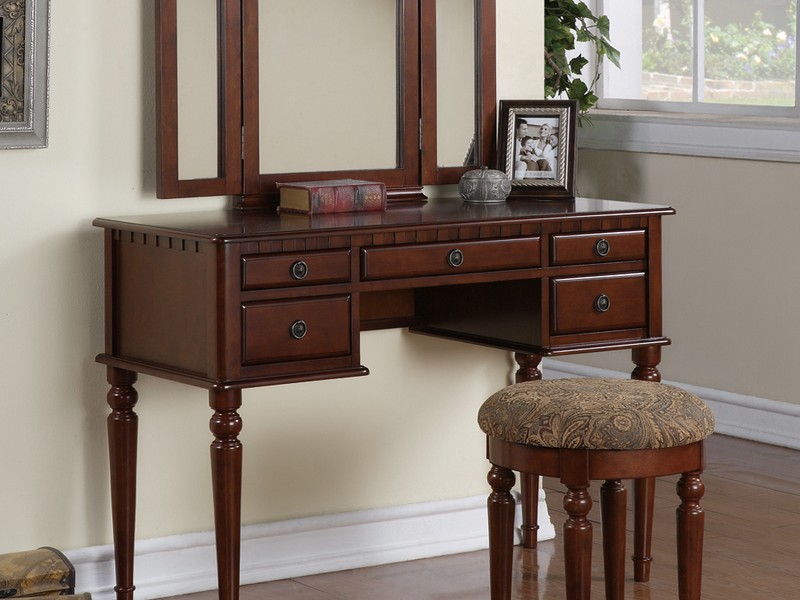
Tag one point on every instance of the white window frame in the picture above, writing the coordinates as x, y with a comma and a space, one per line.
695, 129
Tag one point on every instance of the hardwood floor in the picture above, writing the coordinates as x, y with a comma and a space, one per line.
752, 545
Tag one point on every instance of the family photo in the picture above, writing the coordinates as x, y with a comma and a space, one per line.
535, 147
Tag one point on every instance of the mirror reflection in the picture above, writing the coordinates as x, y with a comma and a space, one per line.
197, 88
455, 82
327, 85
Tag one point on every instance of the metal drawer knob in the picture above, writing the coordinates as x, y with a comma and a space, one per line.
455, 258
602, 247
602, 303
299, 270
298, 329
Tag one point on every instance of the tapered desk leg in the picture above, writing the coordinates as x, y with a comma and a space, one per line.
529, 482
122, 444
646, 360
226, 479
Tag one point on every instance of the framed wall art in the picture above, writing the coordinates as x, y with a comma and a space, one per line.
24, 67
537, 147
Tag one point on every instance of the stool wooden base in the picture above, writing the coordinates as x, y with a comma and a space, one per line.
576, 469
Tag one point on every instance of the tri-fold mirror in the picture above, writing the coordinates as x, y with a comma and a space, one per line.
255, 92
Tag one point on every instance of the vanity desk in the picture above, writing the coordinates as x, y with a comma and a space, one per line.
230, 300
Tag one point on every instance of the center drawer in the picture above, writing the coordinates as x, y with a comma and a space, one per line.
449, 258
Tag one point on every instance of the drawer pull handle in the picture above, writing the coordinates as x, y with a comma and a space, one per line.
455, 258
602, 247
299, 270
298, 329
602, 303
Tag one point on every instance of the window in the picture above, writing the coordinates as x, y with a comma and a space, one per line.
697, 75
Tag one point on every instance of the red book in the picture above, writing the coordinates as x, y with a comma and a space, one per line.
332, 196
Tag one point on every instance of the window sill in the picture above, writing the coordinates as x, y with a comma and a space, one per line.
723, 136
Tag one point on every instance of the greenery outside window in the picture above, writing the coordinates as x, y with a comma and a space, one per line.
700, 77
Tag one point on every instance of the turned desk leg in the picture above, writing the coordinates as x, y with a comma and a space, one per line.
529, 482
122, 443
226, 480
646, 360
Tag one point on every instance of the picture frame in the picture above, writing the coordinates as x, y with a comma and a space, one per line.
24, 35
537, 147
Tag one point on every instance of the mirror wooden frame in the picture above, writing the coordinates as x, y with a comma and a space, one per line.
238, 173
485, 93
229, 142
402, 182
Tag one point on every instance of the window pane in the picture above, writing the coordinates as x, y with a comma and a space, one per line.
750, 55
655, 43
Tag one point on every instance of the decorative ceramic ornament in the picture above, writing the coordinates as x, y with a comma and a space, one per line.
484, 185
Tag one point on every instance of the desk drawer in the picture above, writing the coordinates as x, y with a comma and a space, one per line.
609, 246
449, 258
286, 330
282, 270
598, 303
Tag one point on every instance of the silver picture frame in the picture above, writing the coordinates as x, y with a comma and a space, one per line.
552, 174
24, 73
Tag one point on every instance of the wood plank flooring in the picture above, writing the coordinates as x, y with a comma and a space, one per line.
752, 545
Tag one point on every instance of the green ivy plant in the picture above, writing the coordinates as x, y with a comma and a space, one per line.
565, 23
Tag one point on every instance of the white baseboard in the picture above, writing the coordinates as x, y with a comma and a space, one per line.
186, 563
738, 415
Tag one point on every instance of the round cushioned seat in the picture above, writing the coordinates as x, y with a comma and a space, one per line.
596, 414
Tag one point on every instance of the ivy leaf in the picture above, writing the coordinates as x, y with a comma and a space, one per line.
604, 26
609, 52
576, 64
553, 30
577, 89
584, 11
584, 35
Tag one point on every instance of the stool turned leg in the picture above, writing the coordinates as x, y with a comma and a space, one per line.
646, 360
644, 493
529, 482
500, 507
529, 487
613, 501
690, 519
578, 542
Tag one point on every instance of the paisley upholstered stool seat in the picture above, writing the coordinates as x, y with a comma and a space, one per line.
595, 429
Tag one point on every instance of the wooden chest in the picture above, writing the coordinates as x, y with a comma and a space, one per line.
41, 572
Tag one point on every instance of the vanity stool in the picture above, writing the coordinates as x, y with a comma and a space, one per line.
586, 429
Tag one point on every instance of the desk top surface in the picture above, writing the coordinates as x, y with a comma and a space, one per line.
231, 225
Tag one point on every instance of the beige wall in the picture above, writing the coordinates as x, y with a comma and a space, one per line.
404, 434
731, 276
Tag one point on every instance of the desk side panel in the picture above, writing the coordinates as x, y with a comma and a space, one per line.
160, 292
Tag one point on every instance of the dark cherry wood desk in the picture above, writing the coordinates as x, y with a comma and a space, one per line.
231, 300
